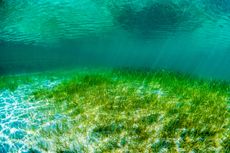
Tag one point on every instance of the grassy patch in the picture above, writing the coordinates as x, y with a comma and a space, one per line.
12, 82
141, 110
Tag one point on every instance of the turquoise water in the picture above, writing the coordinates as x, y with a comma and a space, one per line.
43, 35
19, 117
182, 35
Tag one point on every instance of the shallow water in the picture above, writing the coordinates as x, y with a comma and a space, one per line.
99, 110
20, 117
185, 36
46, 35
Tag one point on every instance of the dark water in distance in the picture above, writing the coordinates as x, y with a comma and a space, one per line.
188, 36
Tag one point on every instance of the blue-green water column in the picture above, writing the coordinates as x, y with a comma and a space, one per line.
189, 36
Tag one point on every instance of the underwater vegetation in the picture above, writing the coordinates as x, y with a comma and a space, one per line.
114, 110
126, 110
12, 82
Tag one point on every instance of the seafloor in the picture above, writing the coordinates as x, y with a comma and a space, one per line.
113, 110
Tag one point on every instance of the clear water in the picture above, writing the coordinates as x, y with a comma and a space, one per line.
39, 35
19, 117
182, 35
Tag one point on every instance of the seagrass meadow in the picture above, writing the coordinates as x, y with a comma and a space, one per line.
114, 76
114, 110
